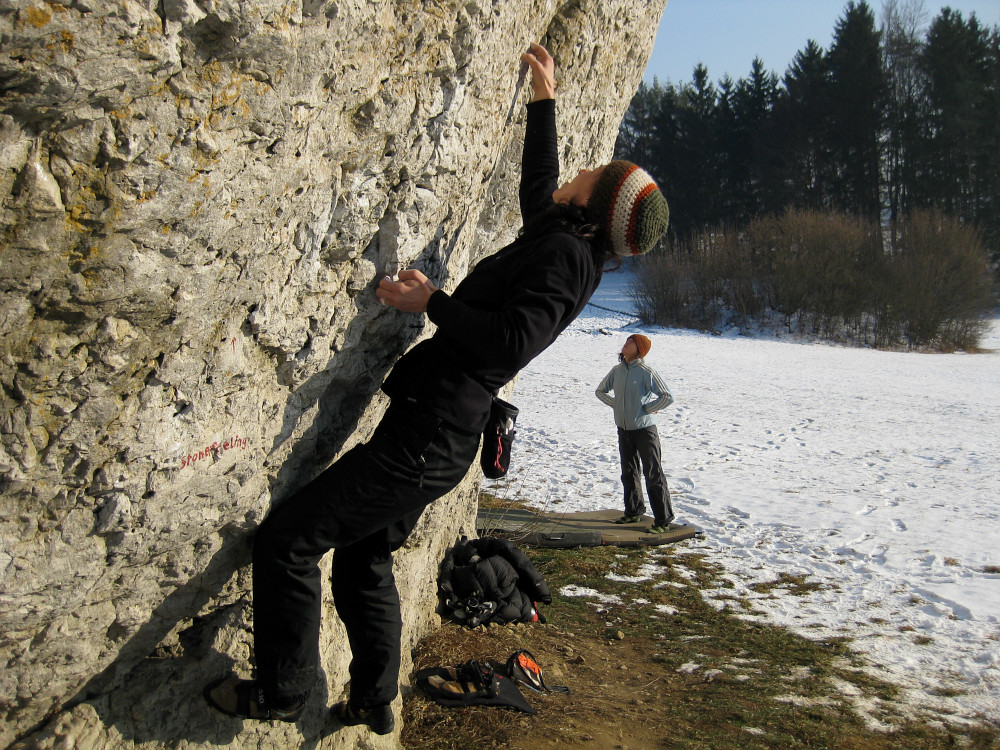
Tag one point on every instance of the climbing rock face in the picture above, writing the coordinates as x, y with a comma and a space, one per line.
197, 199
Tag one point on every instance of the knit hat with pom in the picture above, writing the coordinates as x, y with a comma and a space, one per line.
629, 207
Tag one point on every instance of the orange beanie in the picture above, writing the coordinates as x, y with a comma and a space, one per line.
642, 343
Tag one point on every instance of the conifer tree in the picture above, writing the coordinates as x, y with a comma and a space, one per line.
857, 94
802, 113
889, 121
961, 132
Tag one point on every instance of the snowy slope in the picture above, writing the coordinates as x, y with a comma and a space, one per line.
875, 473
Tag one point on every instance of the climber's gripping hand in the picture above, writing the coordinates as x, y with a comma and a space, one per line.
409, 293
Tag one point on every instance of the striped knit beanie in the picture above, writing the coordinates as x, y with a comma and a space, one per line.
629, 207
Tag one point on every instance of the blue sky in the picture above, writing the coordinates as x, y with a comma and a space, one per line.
726, 35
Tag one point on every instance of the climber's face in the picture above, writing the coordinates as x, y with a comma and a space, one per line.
630, 351
577, 191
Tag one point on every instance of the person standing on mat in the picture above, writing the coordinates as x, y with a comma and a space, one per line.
635, 391
505, 312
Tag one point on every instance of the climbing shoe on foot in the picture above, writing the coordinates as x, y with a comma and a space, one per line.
378, 718
244, 699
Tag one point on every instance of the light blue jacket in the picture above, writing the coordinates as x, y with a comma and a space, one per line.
638, 392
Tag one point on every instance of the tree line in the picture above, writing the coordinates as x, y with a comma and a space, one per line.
899, 116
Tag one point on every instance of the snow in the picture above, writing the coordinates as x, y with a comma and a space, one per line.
872, 473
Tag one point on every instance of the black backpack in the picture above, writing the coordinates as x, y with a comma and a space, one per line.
524, 670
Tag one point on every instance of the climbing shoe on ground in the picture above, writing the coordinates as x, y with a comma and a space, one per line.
466, 683
244, 699
378, 718
628, 519
471, 684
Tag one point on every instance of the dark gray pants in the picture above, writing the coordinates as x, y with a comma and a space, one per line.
642, 447
364, 507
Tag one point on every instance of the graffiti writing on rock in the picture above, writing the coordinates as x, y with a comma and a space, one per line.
215, 450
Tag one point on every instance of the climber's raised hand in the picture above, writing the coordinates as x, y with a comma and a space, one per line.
543, 77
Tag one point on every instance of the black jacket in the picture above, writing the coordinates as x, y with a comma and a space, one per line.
509, 308
493, 570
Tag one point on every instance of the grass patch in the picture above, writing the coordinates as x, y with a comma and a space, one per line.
651, 664
797, 585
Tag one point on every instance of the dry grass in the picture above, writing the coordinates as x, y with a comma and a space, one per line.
683, 676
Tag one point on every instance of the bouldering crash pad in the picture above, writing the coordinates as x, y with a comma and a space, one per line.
584, 529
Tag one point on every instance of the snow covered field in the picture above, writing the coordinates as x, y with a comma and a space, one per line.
874, 473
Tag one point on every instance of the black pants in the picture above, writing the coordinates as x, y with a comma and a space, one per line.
364, 506
637, 447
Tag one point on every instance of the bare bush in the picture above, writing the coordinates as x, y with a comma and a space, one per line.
671, 288
732, 269
819, 266
940, 282
829, 274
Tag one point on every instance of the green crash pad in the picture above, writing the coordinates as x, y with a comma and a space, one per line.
562, 530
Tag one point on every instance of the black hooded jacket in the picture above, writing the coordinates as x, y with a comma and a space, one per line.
509, 308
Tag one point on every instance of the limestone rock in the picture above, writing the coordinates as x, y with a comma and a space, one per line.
197, 198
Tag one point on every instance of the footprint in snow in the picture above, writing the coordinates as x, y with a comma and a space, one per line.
878, 554
694, 500
867, 510
898, 525
683, 484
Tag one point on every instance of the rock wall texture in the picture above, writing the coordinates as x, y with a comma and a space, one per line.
197, 198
